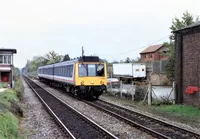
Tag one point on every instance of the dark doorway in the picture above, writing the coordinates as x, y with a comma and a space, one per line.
5, 76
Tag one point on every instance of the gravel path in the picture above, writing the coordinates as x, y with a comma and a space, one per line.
37, 123
115, 126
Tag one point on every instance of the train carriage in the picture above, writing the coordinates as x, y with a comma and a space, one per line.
85, 77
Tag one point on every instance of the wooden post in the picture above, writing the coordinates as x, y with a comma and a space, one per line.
133, 90
149, 94
173, 93
120, 89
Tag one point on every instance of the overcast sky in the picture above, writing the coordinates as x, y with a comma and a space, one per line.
111, 29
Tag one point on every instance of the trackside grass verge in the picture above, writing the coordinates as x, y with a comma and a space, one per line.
182, 113
10, 112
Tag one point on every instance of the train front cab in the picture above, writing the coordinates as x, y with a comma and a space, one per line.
91, 77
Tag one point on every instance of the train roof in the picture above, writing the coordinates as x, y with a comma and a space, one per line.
80, 59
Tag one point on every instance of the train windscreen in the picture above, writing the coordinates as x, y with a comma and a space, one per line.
91, 70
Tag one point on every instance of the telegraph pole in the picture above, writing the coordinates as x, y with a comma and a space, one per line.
82, 51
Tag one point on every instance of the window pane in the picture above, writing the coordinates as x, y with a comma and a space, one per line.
82, 70
5, 60
1, 59
91, 70
9, 59
100, 70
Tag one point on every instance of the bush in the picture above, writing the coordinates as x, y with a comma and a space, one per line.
19, 88
140, 93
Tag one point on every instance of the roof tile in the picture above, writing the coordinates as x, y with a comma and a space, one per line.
152, 48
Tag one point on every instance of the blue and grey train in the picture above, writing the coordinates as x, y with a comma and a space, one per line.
85, 77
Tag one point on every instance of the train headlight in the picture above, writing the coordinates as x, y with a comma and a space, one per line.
82, 83
92, 82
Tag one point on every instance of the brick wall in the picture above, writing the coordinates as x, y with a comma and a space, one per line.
191, 67
154, 56
187, 65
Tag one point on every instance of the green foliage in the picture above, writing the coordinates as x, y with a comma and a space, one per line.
3, 85
140, 93
19, 89
16, 71
66, 57
9, 95
8, 107
127, 60
170, 64
8, 126
50, 58
53, 57
180, 110
35, 63
187, 19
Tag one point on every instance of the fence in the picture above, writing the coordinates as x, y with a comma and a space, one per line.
146, 93
157, 66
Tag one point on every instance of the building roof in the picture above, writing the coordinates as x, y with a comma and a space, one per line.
10, 50
190, 26
151, 48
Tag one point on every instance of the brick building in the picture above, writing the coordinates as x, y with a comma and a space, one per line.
187, 64
6, 65
153, 53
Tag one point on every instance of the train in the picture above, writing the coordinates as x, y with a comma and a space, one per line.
85, 77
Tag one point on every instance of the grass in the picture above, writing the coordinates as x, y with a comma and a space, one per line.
9, 111
8, 126
3, 85
182, 113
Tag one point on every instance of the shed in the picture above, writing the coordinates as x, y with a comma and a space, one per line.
187, 64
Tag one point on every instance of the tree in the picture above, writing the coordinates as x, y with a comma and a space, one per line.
127, 60
187, 19
170, 63
66, 58
53, 57
115, 62
136, 60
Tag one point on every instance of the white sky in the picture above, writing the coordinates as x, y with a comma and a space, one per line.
108, 28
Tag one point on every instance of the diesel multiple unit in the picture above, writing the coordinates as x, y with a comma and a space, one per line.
85, 77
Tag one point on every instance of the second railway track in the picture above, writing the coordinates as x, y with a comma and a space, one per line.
153, 126
75, 124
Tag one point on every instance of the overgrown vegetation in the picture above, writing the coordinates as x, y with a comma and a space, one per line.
140, 93
10, 110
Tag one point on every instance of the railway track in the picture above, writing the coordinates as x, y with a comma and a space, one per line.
153, 126
75, 124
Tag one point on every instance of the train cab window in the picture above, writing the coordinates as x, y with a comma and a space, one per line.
82, 71
100, 70
91, 70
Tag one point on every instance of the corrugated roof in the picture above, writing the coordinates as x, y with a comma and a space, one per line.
152, 48
190, 26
